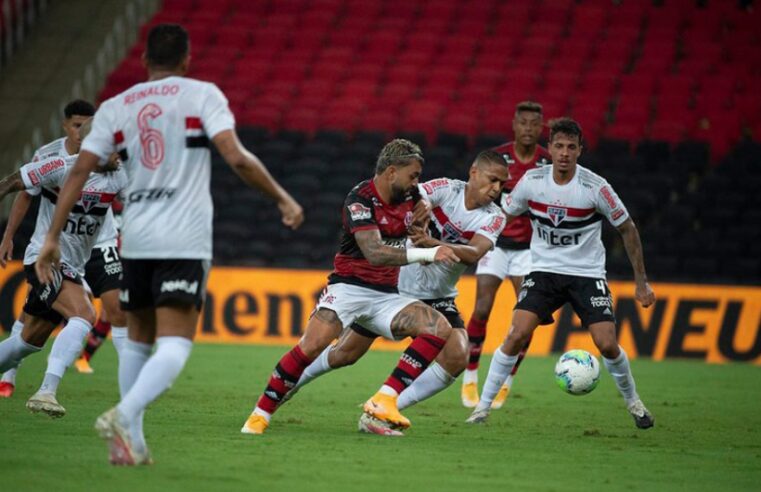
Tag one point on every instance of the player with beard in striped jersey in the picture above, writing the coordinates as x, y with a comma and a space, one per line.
464, 217
567, 203
162, 130
64, 297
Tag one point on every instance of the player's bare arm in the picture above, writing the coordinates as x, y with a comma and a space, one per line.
87, 162
643, 292
377, 253
18, 211
11, 184
255, 174
468, 253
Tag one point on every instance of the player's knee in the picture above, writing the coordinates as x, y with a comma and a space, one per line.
437, 325
608, 348
86, 312
454, 358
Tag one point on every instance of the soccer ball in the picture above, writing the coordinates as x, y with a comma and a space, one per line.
577, 372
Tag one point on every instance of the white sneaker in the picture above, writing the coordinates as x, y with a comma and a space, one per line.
643, 419
121, 449
47, 403
478, 416
371, 425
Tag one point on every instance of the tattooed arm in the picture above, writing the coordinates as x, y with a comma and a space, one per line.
10, 184
376, 252
643, 293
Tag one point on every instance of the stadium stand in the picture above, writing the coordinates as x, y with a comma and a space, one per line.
667, 93
16, 19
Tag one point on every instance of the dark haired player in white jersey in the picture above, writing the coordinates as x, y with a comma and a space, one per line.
464, 217
75, 113
161, 129
511, 258
567, 203
377, 214
64, 298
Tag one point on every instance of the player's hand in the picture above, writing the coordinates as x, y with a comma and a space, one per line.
644, 294
420, 238
6, 252
293, 214
48, 261
421, 214
445, 255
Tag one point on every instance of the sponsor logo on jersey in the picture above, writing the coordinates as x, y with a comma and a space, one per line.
554, 238
51, 166
600, 301
383, 221
556, 214
431, 186
357, 211
151, 194
395, 242
496, 225
617, 214
528, 283
608, 196
34, 177
182, 285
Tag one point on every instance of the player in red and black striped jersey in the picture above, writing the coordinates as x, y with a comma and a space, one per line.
512, 257
363, 289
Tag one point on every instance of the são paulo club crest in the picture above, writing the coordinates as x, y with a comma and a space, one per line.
556, 214
89, 199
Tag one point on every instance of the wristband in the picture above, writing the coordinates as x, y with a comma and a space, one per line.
420, 255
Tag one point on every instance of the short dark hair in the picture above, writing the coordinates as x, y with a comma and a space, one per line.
167, 45
530, 106
78, 107
490, 157
398, 152
566, 126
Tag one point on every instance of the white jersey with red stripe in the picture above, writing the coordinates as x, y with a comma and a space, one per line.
84, 223
162, 130
57, 148
567, 220
451, 222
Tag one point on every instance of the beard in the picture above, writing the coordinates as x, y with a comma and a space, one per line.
398, 194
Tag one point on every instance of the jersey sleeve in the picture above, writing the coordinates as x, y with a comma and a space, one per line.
46, 172
609, 205
435, 190
103, 136
492, 228
358, 213
516, 202
215, 113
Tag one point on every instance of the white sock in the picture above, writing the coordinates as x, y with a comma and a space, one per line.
12, 350
119, 338
499, 369
9, 376
509, 381
131, 361
470, 376
388, 390
157, 375
622, 375
66, 349
317, 368
433, 380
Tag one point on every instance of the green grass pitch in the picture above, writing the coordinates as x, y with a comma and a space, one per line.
707, 434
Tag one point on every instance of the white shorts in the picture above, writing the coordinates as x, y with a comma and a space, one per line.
503, 263
370, 308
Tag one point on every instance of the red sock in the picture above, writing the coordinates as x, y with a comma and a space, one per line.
285, 376
95, 339
521, 355
476, 337
421, 352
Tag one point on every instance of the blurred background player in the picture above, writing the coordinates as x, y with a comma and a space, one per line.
465, 218
567, 203
161, 129
364, 288
103, 268
511, 258
64, 297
